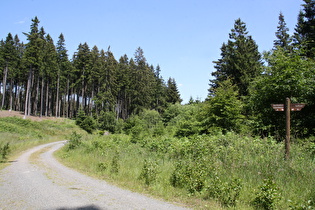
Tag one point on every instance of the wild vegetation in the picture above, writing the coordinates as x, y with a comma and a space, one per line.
203, 171
18, 134
224, 152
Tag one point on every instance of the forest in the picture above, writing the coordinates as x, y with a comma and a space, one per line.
39, 79
225, 152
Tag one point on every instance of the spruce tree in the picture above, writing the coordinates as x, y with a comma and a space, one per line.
304, 37
63, 75
283, 38
240, 60
172, 93
32, 59
124, 87
9, 64
82, 64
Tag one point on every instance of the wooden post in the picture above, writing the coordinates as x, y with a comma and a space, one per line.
287, 127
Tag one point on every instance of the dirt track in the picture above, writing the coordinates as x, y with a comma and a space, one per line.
44, 183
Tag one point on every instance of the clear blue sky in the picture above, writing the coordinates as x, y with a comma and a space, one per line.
182, 36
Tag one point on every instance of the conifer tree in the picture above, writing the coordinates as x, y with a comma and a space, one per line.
283, 38
124, 87
32, 59
63, 74
159, 91
172, 93
52, 75
240, 60
304, 37
82, 64
9, 65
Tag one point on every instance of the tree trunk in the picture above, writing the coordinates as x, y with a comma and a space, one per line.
36, 97
47, 99
68, 104
27, 102
42, 98
5, 74
11, 95
57, 97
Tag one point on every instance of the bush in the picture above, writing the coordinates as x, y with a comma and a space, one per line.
4, 151
268, 195
107, 121
75, 141
190, 175
227, 193
87, 123
149, 172
115, 163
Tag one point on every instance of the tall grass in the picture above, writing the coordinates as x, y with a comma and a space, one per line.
21, 134
221, 171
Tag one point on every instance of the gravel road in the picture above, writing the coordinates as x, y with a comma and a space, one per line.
44, 183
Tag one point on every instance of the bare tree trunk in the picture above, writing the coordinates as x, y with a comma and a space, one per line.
57, 97
68, 104
42, 98
11, 94
4, 83
59, 107
36, 97
47, 93
26, 112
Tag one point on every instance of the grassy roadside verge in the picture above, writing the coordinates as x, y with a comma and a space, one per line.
21, 134
114, 159
202, 172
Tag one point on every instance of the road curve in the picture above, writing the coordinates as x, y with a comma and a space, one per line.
47, 184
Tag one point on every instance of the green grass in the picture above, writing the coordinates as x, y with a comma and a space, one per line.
213, 162
22, 134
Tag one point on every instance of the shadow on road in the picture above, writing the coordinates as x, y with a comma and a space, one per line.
92, 207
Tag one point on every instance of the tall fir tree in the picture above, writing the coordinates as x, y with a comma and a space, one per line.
304, 36
32, 59
82, 64
240, 60
172, 93
283, 38
9, 65
63, 75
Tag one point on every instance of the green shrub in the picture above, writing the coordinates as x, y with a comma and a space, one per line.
115, 163
87, 123
102, 166
268, 196
190, 175
149, 172
4, 151
227, 193
107, 121
75, 141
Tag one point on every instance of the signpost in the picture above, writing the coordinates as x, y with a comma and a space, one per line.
288, 107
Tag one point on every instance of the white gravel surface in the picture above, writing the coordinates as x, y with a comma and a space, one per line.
47, 184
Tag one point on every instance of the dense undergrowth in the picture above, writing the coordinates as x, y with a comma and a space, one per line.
17, 134
204, 171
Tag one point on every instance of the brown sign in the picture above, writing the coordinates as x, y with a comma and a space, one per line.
297, 107
293, 107
278, 107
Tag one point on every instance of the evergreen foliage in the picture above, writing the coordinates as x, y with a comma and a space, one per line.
283, 38
304, 36
39, 79
240, 60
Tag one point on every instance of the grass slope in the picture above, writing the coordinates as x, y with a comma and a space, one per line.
21, 134
205, 172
